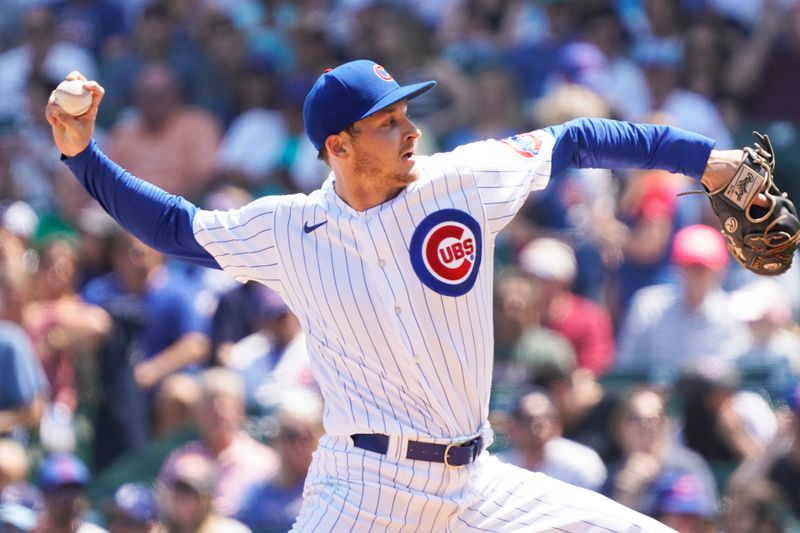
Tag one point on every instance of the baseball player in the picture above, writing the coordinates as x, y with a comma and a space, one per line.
388, 266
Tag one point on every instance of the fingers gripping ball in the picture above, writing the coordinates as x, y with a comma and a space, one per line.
762, 239
72, 97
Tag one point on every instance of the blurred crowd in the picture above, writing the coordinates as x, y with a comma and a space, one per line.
633, 356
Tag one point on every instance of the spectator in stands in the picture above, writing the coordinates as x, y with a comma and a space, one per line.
584, 407
522, 344
585, 324
18, 221
760, 507
773, 353
234, 319
159, 329
239, 460
172, 143
579, 205
274, 505
175, 405
682, 504
722, 422
651, 458
39, 52
274, 357
23, 386
584, 64
21, 506
650, 210
33, 166
494, 103
156, 36
763, 74
65, 329
661, 59
627, 92
174, 335
95, 25
133, 509
229, 62
537, 444
780, 461
672, 325
242, 157
185, 491
63, 479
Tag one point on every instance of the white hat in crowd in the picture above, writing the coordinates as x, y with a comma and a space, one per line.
549, 259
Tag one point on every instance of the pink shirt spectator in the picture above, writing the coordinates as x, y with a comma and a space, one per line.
241, 465
179, 158
587, 326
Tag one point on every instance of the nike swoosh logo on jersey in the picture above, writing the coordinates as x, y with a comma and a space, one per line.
309, 229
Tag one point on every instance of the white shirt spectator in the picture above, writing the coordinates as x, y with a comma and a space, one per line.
661, 332
693, 112
566, 461
265, 379
253, 143
15, 68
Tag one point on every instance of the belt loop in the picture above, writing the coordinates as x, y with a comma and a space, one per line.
396, 445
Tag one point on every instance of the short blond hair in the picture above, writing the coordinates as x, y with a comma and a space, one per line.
566, 102
219, 380
303, 405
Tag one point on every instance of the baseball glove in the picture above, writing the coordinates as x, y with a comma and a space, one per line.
762, 239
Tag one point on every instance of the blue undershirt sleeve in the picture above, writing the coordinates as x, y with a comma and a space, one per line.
159, 219
601, 143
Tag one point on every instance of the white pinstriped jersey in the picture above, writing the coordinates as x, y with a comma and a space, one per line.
396, 300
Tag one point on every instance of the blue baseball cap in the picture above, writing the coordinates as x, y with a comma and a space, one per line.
62, 469
350, 92
682, 493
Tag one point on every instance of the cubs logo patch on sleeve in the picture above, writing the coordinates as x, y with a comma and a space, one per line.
525, 144
446, 251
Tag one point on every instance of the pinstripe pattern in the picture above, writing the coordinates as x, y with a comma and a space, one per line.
390, 354
393, 354
383, 496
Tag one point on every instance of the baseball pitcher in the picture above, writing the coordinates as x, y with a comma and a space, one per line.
388, 266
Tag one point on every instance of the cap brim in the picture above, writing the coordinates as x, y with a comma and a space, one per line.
407, 92
18, 516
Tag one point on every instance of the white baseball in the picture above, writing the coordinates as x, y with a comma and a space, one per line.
72, 97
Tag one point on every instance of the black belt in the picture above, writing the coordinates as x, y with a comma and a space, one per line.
459, 454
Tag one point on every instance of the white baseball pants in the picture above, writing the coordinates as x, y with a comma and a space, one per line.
349, 489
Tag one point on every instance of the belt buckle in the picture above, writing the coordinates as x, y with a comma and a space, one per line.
456, 445
447, 454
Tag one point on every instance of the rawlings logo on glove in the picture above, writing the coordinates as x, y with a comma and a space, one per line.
762, 239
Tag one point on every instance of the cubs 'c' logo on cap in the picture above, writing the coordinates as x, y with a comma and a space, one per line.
382, 73
525, 144
446, 251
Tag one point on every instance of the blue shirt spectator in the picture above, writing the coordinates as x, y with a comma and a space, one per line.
159, 329
170, 306
89, 24
271, 508
22, 381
